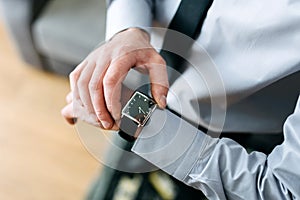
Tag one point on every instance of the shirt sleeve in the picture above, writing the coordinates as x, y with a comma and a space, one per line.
222, 169
123, 14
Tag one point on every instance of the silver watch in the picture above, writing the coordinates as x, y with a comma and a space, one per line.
135, 115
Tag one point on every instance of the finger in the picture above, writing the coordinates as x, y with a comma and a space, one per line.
74, 75
69, 97
113, 100
159, 80
126, 93
68, 114
73, 78
112, 81
83, 86
97, 96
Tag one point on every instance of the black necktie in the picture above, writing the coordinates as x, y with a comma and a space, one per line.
187, 20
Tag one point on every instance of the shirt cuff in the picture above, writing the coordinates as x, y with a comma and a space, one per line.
172, 144
124, 14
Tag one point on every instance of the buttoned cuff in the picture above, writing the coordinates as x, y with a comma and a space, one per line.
172, 144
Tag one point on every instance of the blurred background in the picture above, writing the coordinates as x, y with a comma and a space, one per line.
41, 156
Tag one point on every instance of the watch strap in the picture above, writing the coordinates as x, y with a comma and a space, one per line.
128, 128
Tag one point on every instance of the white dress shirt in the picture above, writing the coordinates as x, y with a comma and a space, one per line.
255, 47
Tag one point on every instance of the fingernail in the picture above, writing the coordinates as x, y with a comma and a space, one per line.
162, 101
105, 124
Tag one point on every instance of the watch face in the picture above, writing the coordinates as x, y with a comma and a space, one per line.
139, 107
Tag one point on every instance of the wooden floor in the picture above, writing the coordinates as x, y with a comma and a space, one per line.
41, 156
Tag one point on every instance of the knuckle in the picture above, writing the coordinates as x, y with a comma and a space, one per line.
101, 115
162, 62
159, 59
82, 82
123, 49
73, 75
110, 80
93, 86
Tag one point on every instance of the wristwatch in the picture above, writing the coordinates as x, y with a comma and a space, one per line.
135, 115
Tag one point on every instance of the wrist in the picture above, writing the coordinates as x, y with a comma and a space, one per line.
135, 115
139, 32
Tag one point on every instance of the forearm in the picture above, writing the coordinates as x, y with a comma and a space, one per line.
229, 172
223, 169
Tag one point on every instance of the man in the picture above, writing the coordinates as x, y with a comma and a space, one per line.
255, 48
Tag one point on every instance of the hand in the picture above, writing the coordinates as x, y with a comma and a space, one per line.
96, 83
